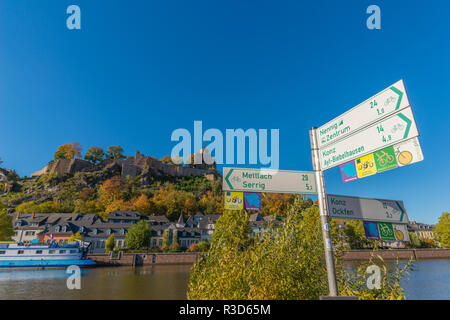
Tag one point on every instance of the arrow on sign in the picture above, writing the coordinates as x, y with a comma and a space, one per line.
408, 124
400, 96
227, 177
401, 209
267, 180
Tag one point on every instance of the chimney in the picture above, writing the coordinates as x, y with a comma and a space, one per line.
32, 215
17, 215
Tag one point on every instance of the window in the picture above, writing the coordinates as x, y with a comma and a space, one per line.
73, 251
57, 229
94, 231
62, 251
38, 251
51, 251
20, 252
81, 229
64, 229
122, 231
30, 233
2, 252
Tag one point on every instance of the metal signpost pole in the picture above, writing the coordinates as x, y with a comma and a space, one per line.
321, 196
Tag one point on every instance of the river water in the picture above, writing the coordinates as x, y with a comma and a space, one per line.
429, 280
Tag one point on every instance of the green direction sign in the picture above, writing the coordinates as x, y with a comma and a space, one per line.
386, 231
355, 208
267, 180
387, 102
389, 131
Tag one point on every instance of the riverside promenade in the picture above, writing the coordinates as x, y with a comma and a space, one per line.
180, 258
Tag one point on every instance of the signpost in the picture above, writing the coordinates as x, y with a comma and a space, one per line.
391, 130
356, 208
359, 134
390, 100
265, 180
321, 198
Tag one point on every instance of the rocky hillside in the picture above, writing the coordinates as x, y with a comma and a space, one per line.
75, 185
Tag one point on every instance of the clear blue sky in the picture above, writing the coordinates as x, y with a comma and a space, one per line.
140, 69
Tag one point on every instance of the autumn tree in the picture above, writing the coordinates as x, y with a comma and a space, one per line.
119, 204
142, 204
442, 230
86, 194
68, 151
76, 236
94, 154
174, 246
110, 243
167, 159
115, 152
110, 190
165, 240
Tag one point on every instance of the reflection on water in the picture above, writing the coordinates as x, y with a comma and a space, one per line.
429, 280
150, 282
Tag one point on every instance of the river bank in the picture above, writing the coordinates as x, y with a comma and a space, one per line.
188, 258
430, 279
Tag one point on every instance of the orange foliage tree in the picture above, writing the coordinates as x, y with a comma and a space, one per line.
110, 190
68, 151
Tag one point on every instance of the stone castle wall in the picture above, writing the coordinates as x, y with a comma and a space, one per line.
62, 166
132, 166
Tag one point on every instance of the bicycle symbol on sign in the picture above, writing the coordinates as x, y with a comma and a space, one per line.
398, 127
384, 158
389, 100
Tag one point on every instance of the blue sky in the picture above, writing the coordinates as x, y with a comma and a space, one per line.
137, 70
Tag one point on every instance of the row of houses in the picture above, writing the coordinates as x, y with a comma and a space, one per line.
59, 227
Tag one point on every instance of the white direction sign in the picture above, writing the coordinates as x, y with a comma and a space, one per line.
266, 180
396, 128
384, 103
379, 210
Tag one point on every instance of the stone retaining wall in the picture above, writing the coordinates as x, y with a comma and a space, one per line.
138, 259
394, 254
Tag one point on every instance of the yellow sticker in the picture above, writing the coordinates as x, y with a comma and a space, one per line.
234, 200
365, 166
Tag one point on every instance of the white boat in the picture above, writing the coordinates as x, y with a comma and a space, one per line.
41, 256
